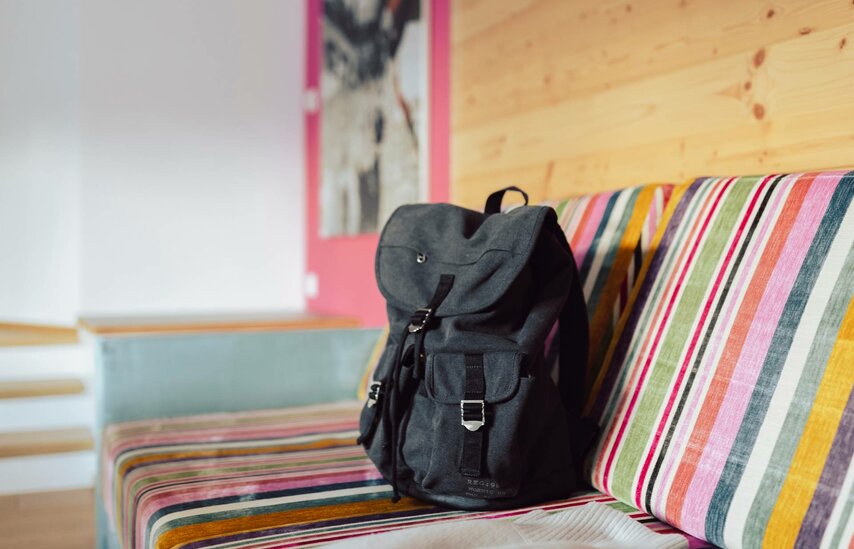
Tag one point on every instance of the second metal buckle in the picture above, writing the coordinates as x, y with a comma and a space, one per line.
419, 319
374, 393
472, 424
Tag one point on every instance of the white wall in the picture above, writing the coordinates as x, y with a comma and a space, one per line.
39, 145
185, 189
192, 155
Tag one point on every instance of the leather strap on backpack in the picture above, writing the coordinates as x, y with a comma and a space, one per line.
473, 416
391, 412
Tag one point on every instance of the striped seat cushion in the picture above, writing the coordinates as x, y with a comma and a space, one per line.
281, 478
726, 399
610, 234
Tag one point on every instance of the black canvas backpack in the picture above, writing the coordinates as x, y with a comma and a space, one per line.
462, 409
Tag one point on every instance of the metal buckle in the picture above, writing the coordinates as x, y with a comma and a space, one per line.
472, 424
374, 393
419, 319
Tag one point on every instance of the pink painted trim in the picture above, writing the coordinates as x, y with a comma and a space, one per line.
440, 100
345, 266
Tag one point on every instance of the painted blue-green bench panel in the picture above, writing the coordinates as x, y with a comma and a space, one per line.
170, 376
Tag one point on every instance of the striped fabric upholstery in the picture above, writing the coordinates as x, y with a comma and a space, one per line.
726, 401
610, 234
282, 478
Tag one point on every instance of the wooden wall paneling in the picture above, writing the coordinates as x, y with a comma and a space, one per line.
569, 97
554, 49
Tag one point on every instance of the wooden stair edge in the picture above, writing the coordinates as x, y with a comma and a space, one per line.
45, 441
212, 323
36, 388
20, 334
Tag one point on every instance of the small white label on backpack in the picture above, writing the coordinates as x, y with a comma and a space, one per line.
484, 487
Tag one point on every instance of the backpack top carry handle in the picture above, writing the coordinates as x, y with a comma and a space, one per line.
493, 203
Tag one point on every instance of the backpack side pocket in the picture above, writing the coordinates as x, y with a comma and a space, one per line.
370, 417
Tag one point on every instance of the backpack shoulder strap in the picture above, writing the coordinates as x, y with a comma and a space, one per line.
572, 367
574, 342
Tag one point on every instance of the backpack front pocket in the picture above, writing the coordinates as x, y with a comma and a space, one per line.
462, 436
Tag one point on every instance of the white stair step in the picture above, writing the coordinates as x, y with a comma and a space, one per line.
18, 414
49, 361
47, 472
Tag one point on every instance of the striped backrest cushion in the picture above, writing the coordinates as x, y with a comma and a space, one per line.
726, 401
610, 234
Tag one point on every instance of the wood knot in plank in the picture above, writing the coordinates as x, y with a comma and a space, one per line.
759, 57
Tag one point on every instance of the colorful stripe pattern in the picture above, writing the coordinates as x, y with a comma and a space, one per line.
281, 478
726, 401
610, 234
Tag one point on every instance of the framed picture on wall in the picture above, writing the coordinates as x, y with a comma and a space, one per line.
377, 136
374, 124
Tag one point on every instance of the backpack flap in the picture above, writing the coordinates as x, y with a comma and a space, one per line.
446, 376
485, 253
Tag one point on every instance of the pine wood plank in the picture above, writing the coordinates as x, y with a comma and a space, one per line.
511, 57
47, 520
784, 107
204, 323
788, 79
32, 388
49, 441
783, 148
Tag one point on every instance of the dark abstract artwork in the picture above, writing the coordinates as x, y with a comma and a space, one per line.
374, 117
